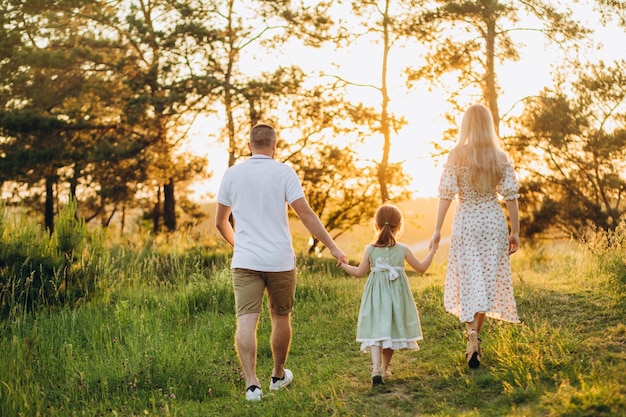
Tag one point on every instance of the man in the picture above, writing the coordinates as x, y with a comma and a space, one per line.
257, 193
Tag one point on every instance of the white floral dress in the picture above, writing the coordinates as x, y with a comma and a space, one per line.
478, 276
388, 316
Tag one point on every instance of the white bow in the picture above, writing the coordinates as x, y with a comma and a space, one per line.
383, 265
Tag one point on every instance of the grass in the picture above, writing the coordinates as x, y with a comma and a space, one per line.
165, 348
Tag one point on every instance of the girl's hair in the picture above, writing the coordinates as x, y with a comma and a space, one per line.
388, 219
483, 154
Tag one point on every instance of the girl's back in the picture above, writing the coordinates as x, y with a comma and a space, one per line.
393, 255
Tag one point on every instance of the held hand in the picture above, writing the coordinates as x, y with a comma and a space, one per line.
513, 243
434, 241
340, 256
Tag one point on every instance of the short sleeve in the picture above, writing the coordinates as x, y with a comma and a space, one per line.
448, 184
223, 196
293, 187
509, 185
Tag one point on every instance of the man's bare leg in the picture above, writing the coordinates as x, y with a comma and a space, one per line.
280, 341
245, 343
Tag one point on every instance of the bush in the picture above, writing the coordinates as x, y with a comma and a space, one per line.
609, 248
73, 264
29, 265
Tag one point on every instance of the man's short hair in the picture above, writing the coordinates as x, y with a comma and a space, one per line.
262, 136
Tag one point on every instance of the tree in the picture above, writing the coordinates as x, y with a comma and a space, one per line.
613, 9
573, 147
339, 192
340, 188
241, 29
160, 70
384, 23
51, 110
471, 37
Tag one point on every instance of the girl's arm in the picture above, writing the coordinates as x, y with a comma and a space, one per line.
417, 265
362, 269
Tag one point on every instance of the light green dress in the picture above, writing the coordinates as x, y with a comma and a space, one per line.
388, 316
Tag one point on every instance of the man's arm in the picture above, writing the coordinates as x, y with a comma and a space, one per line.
314, 225
222, 224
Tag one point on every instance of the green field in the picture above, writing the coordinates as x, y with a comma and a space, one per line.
156, 339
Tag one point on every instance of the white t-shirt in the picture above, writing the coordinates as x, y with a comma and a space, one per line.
258, 191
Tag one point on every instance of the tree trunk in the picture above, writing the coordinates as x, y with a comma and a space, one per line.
49, 205
313, 247
123, 220
232, 56
156, 213
384, 117
169, 206
490, 92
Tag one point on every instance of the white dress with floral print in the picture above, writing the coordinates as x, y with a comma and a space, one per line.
478, 276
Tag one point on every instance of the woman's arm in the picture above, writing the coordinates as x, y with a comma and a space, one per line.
442, 209
513, 209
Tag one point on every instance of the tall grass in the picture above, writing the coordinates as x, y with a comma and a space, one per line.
154, 336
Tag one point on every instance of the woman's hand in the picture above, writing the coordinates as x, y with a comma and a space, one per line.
434, 241
513, 243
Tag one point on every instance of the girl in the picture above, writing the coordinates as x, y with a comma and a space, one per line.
388, 319
478, 276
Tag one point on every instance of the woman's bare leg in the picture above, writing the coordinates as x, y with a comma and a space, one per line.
473, 352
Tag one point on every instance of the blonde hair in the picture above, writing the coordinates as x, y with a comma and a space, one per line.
482, 151
388, 220
262, 136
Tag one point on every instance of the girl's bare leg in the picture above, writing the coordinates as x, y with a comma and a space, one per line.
387, 355
376, 363
376, 360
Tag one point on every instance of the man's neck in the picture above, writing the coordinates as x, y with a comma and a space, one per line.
269, 153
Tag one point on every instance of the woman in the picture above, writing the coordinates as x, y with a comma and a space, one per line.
478, 277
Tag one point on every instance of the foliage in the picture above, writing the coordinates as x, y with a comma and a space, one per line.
342, 195
384, 25
572, 144
98, 98
339, 186
609, 247
61, 111
471, 39
613, 10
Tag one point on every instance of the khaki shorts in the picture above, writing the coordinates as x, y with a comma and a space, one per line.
250, 286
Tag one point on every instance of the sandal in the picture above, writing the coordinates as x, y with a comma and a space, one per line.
473, 352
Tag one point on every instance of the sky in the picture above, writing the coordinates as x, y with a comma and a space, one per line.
423, 109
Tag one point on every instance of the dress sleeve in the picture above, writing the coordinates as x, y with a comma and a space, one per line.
448, 185
509, 186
